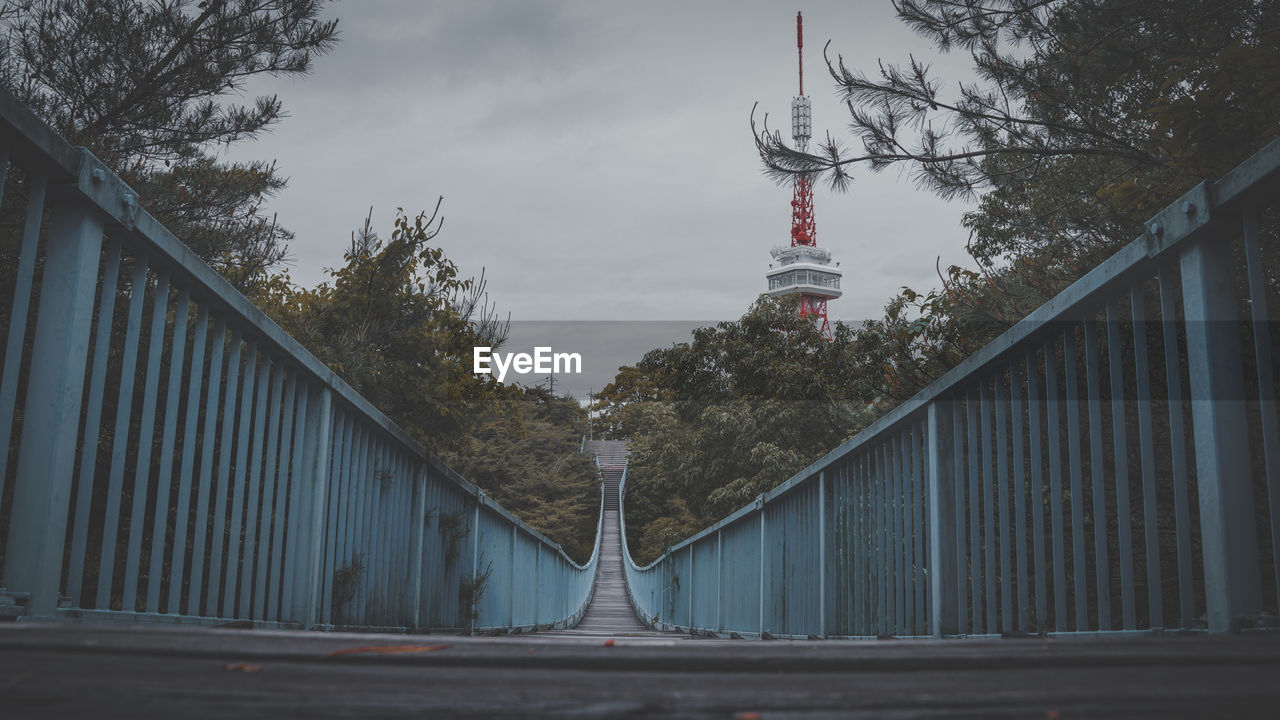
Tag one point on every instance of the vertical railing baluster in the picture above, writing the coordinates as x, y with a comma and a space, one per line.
270, 477
1102, 563
864, 548
1147, 455
1035, 401
1055, 486
164, 480
1177, 446
120, 436
146, 431
822, 554
475, 558
920, 528
879, 500
235, 389
943, 566
284, 510
361, 537
1120, 457
417, 526
218, 340
267, 396
975, 513
719, 578
1002, 477
92, 423
763, 545
1074, 459
1017, 377
183, 516
988, 506
906, 545
958, 505
301, 596
340, 474
252, 388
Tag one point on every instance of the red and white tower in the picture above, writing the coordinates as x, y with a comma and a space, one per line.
804, 269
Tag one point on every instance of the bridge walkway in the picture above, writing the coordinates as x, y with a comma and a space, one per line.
610, 613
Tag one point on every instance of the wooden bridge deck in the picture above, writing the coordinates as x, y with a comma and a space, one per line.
610, 613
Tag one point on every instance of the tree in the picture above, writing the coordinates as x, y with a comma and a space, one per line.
147, 87
738, 409
1088, 117
524, 453
1141, 83
390, 324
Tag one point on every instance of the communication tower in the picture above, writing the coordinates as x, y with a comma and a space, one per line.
804, 269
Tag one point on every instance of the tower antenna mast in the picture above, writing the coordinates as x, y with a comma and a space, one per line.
800, 47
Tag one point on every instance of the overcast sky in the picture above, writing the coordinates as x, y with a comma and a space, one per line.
596, 157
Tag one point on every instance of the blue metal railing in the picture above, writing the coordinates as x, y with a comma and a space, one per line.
173, 455
1110, 463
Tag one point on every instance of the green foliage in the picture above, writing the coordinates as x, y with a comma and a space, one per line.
388, 323
1156, 96
524, 453
716, 421
146, 87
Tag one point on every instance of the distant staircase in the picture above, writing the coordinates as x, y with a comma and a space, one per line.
612, 456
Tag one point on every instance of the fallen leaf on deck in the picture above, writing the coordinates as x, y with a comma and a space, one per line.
389, 650
242, 667
608, 643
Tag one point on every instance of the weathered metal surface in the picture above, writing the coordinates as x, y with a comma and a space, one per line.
1050, 416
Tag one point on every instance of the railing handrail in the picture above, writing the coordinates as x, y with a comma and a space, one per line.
1187, 218
37, 143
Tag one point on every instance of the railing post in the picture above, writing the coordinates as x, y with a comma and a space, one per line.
719, 581
511, 582
1227, 527
415, 553
822, 554
943, 571
944, 618
760, 508
312, 491
537, 583
474, 610
46, 456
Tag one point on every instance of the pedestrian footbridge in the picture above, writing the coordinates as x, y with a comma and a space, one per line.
1111, 464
